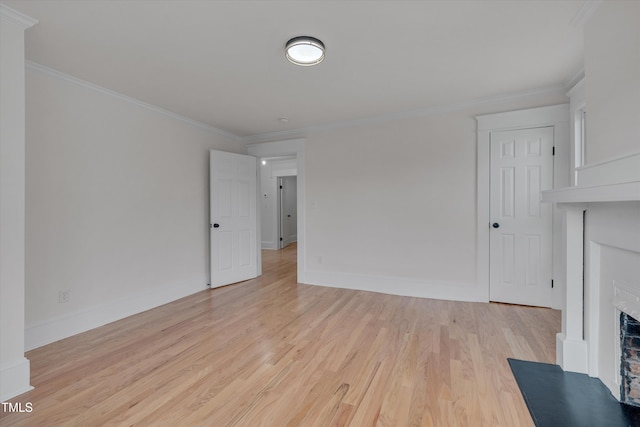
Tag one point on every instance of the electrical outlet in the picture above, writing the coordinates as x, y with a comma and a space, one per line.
63, 296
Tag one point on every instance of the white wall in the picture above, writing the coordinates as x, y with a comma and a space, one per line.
117, 207
391, 207
14, 367
612, 68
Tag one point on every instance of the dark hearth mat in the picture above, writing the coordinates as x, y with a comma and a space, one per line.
565, 399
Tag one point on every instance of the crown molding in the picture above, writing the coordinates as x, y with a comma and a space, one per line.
423, 112
300, 132
585, 13
12, 15
575, 80
30, 65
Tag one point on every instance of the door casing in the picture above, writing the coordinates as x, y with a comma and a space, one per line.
297, 148
554, 115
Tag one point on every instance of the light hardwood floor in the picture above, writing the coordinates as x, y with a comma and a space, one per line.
271, 352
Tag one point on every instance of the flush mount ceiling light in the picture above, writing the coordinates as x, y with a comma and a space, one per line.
304, 51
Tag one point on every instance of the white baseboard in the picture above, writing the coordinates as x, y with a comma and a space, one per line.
434, 289
269, 245
71, 324
14, 378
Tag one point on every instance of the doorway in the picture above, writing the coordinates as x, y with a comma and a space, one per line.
295, 150
287, 210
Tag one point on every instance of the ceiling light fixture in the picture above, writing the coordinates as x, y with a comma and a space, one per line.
304, 51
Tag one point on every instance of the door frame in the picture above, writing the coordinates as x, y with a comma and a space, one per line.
281, 229
295, 148
554, 115
284, 231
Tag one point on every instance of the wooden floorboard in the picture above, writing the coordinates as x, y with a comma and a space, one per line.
272, 352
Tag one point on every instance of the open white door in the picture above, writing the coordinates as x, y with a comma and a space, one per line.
233, 218
521, 226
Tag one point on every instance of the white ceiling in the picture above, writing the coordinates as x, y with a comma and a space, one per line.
222, 62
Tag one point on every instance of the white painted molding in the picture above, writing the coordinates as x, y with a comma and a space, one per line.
32, 66
402, 286
614, 180
12, 15
590, 263
575, 80
603, 193
571, 355
284, 172
423, 112
577, 95
283, 149
61, 327
585, 13
613, 171
301, 132
14, 378
521, 119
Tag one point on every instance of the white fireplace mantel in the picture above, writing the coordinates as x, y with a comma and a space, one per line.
602, 186
572, 350
624, 192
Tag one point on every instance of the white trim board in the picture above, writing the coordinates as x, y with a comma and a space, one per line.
61, 327
423, 112
527, 118
614, 180
618, 170
629, 191
9, 14
13, 377
402, 286
300, 132
585, 13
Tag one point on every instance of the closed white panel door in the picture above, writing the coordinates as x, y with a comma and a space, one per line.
233, 218
521, 226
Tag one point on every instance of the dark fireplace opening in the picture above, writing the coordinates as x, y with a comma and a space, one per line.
629, 360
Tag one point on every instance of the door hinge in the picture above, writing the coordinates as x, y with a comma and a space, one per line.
551, 283
281, 239
553, 151
281, 187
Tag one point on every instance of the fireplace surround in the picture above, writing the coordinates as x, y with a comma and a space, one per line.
601, 251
